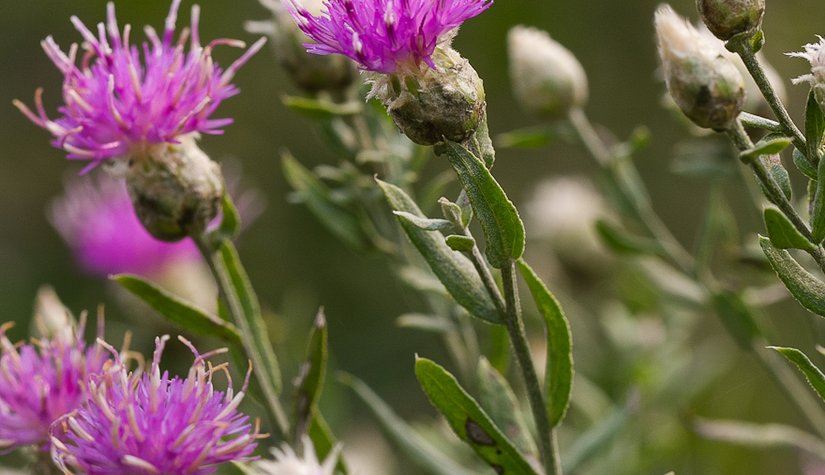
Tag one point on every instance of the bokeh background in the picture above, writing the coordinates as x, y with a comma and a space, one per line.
297, 266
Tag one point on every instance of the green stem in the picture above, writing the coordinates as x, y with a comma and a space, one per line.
642, 210
756, 70
230, 298
774, 192
548, 445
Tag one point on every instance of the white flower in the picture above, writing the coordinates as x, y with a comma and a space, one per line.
287, 462
815, 54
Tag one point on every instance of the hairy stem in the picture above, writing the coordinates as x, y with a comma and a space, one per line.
232, 302
548, 445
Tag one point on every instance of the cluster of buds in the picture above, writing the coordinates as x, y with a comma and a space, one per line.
431, 92
311, 73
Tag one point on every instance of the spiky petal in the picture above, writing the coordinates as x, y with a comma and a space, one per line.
120, 97
385, 36
142, 423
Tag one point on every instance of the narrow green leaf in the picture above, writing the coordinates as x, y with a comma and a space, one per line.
530, 137
318, 198
230, 220
418, 449
252, 314
431, 323
814, 125
324, 441
503, 229
311, 374
177, 311
621, 242
813, 374
736, 316
469, 421
818, 212
807, 289
760, 436
559, 372
773, 164
782, 232
460, 243
772, 144
498, 399
320, 108
453, 269
427, 224
803, 164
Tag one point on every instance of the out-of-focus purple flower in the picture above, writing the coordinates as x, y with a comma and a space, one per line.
137, 422
385, 36
42, 381
121, 98
96, 218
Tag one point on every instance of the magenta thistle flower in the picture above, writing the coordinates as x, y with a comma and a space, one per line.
42, 381
138, 423
96, 219
385, 36
120, 97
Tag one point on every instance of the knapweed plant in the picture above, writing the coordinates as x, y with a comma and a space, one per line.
414, 184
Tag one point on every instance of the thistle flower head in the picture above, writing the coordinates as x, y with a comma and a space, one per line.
121, 97
41, 381
385, 36
814, 53
287, 462
144, 423
96, 219
704, 84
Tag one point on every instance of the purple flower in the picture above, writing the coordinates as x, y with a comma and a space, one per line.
138, 423
96, 218
385, 36
121, 97
42, 381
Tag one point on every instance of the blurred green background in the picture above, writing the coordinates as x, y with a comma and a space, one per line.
296, 265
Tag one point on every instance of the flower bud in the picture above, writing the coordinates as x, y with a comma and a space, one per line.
547, 78
705, 85
728, 18
311, 73
175, 188
437, 104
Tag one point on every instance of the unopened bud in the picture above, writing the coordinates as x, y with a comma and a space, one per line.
175, 188
547, 78
728, 18
437, 104
310, 72
705, 85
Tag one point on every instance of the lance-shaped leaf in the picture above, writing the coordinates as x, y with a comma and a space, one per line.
760, 436
469, 421
802, 163
230, 221
814, 126
559, 372
502, 226
813, 374
261, 353
498, 399
179, 312
818, 211
318, 198
427, 224
452, 268
772, 144
736, 317
418, 449
320, 108
324, 441
807, 289
311, 375
622, 242
782, 233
